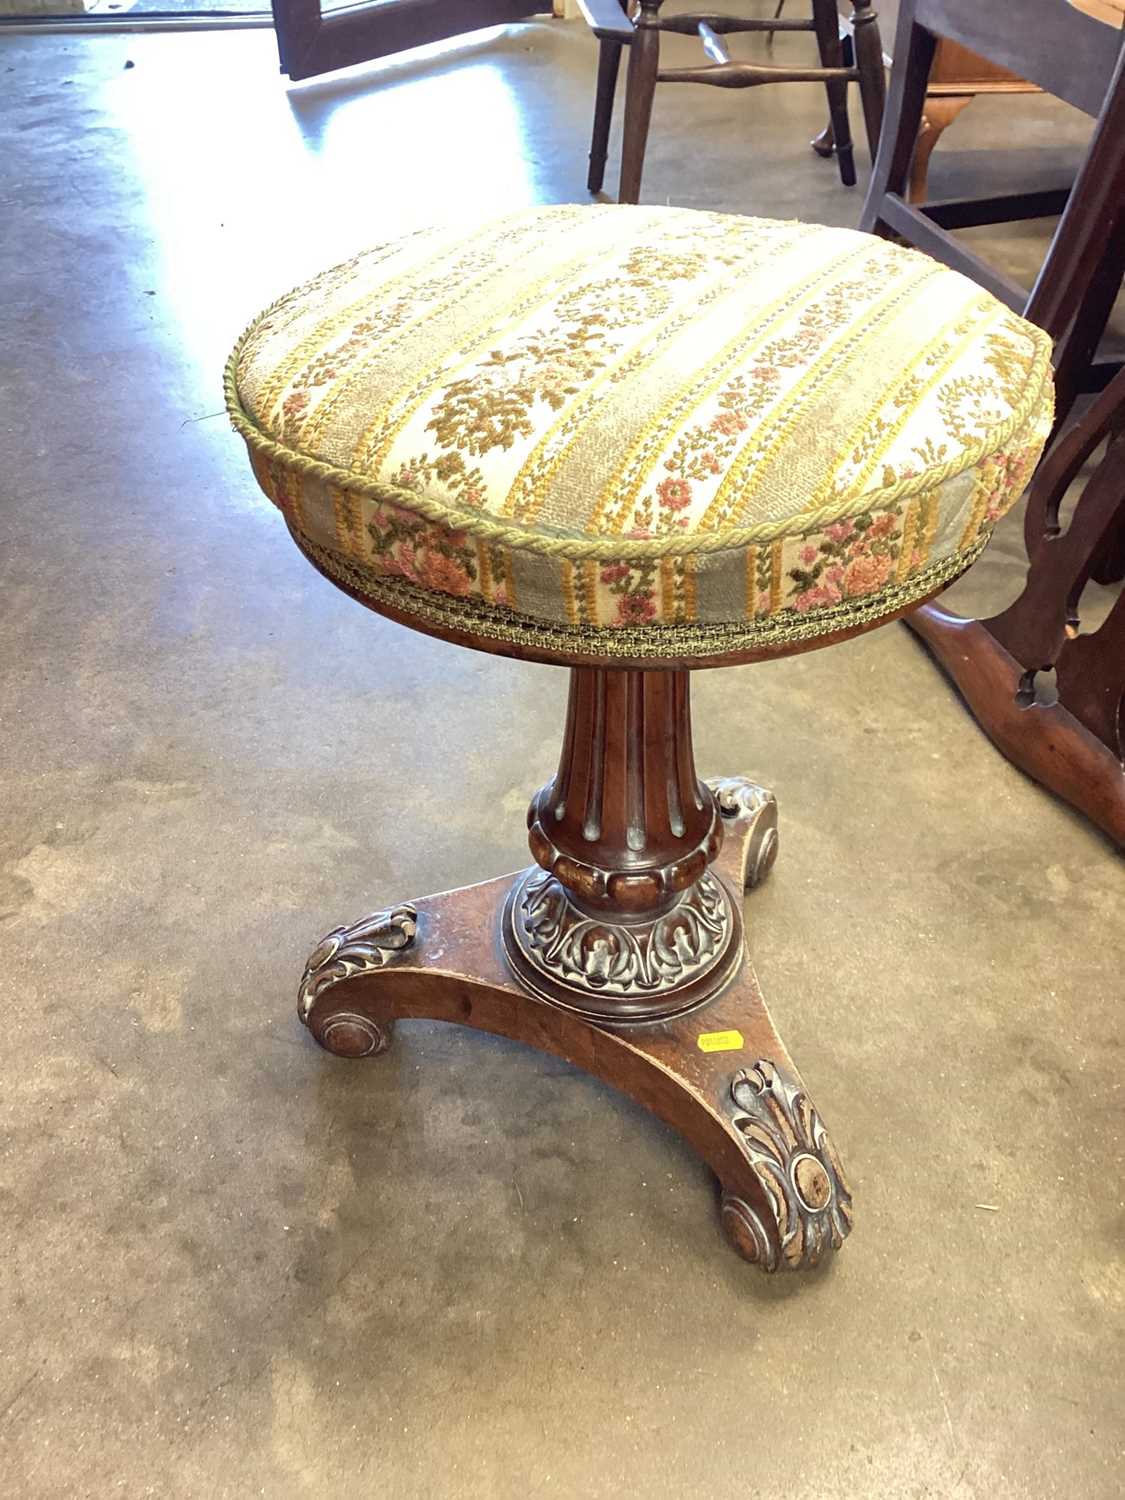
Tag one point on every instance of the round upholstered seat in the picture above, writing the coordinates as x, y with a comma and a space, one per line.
643, 433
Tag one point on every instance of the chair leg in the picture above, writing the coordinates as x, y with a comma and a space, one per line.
872, 74
832, 56
1075, 350
640, 85
1081, 276
609, 59
824, 144
914, 51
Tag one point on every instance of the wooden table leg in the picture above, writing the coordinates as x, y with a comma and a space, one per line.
718, 1074
940, 113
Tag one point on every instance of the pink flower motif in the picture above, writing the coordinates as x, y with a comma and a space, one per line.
882, 527
839, 531
400, 565
639, 533
442, 573
834, 574
866, 574
808, 555
729, 423
674, 494
615, 572
817, 598
635, 609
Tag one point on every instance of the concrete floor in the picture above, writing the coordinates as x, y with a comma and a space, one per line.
231, 1265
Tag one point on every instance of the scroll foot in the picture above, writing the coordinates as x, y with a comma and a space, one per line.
371, 944
809, 1203
749, 813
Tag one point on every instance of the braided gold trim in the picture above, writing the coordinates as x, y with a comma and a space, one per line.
495, 622
577, 547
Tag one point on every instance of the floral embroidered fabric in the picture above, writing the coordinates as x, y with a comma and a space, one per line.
612, 418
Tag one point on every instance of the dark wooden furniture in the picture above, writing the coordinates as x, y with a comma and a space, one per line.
639, 972
611, 23
720, 1076
1074, 745
957, 77
622, 947
631, 914
312, 39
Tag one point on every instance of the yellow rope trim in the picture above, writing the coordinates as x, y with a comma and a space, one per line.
655, 642
580, 547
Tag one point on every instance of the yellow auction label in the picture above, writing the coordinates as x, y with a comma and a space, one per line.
719, 1041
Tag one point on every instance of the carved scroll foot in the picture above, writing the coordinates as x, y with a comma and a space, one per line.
796, 1163
749, 814
719, 1075
344, 953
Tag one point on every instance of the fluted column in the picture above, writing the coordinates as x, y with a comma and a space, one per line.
626, 825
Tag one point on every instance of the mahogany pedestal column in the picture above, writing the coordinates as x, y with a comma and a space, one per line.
622, 951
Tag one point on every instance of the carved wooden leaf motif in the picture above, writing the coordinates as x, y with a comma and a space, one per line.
371, 943
589, 952
793, 1158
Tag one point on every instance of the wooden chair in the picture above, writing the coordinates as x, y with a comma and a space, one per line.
615, 28
1073, 746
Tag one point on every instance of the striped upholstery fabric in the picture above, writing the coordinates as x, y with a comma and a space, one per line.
602, 420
